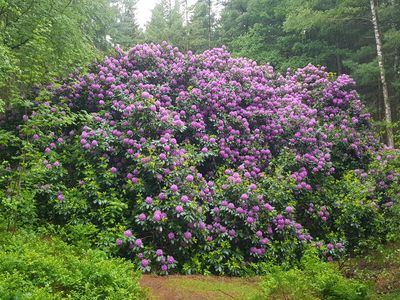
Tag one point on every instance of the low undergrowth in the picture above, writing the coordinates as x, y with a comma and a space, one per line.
44, 267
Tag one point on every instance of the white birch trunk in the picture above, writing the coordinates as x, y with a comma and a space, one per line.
388, 110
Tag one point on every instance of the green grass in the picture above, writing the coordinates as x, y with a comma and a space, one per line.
381, 269
378, 272
219, 288
202, 287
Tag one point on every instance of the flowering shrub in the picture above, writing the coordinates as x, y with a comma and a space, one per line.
208, 163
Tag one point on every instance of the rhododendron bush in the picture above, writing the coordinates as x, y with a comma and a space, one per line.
209, 163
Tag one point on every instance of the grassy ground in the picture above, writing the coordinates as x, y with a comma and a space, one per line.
380, 269
201, 287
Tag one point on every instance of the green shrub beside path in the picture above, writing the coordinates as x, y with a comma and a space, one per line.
38, 267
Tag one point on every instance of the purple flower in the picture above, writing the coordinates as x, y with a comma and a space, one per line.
268, 207
179, 209
128, 233
164, 268
171, 236
170, 260
119, 242
187, 235
202, 226
159, 252
250, 220
289, 209
145, 263
244, 197
146, 95
157, 216
138, 243
174, 188
184, 199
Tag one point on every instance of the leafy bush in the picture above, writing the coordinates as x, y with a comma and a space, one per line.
206, 163
34, 267
313, 280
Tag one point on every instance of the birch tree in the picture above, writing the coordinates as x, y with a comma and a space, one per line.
386, 100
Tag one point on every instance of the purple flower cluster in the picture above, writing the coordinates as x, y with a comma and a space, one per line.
239, 111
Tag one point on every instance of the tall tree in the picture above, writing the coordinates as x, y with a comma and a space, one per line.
202, 26
41, 40
126, 31
186, 11
386, 100
235, 20
166, 24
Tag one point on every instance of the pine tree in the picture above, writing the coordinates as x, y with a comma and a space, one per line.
126, 31
166, 24
202, 26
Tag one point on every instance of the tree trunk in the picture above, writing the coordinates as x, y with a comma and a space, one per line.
186, 24
209, 24
338, 59
396, 64
388, 110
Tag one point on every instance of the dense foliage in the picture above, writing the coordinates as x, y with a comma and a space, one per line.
41, 41
313, 280
203, 163
41, 267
